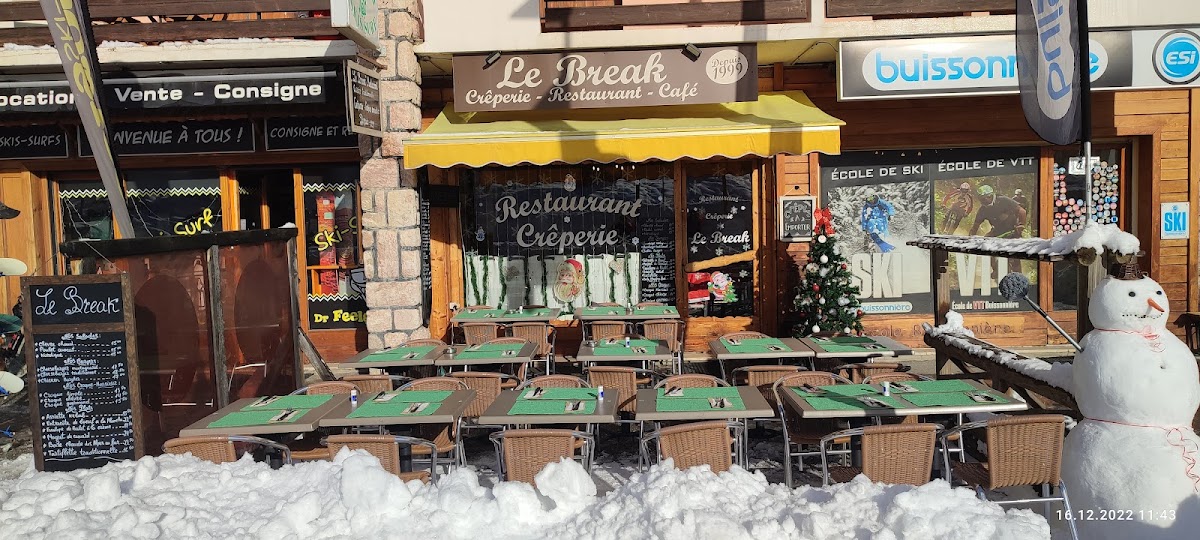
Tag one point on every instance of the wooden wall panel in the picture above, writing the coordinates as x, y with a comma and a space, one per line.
24, 237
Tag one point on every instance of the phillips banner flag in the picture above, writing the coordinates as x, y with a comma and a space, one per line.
71, 27
1048, 68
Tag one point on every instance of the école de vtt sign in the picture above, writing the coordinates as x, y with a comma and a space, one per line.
594, 79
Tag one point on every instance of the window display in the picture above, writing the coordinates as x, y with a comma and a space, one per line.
174, 202
336, 295
720, 239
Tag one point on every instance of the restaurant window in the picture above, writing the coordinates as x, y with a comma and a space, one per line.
85, 211
336, 283
571, 236
882, 200
174, 202
1069, 194
720, 239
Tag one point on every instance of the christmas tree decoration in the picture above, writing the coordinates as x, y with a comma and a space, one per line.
827, 277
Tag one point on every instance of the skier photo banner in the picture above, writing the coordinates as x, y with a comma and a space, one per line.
1048, 68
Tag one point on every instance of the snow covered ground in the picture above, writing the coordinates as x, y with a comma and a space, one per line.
352, 497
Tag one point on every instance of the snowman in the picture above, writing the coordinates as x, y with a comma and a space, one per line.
1131, 465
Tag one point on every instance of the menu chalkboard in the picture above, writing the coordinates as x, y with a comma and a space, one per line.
82, 361
796, 218
423, 209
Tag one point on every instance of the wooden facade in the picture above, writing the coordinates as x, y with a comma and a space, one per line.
1157, 126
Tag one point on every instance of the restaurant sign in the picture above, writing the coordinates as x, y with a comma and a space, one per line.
610, 78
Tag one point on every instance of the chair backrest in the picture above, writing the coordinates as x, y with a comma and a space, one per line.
746, 334
650, 304
435, 383
697, 443
425, 342
605, 329
624, 379
556, 381
894, 376
383, 447
538, 333
527, 451
1025, 450
486, 385
691, 380
370, 384
764, 377
858, 372
667, 330
330, 387
508, 341
815, 378
899, 454
478, 333
216, 449
606, 304
479, 307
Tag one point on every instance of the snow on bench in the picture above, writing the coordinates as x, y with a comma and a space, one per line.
1097, 238
953, 333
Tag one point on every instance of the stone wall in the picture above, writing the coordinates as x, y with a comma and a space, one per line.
390, 235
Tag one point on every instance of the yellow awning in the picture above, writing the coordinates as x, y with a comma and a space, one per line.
778, 123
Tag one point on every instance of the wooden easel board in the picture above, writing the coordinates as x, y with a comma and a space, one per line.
81, 355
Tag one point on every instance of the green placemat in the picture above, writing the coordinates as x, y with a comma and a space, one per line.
636, 347
755, 345
952, 385
949, 399
399, 353
548, 406
846, 403
541, 312
603, 311
841, 390
655, 310
479, 314
849, 344
492, 353
411, 396
291, 402
253, 418
683, 404
374, 409
695, 393
562, 393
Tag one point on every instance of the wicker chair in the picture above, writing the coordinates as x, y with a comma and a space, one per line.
1022, 450
893, 454
220, 448
857, 372
649, 304
477, 333
523, 453
895, 376
555, 381
425, 343
326, 387
446, 437
386, 448
670, 332
605, 329
487, 386
374, 384
764, 377
691, 380
606, 304
697, 443
804, 432
745, 334
626, 381
540, 334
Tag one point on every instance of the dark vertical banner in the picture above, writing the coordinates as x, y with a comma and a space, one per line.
1048, 68
71, 26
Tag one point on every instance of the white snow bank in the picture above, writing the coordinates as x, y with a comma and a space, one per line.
1107, 237
352, 497
1056, 374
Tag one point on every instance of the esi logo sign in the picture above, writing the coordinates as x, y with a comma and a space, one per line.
1175, 221
1177, 57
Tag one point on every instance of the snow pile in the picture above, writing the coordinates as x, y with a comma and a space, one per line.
1101, 238
955, 334
18, 47
352, 497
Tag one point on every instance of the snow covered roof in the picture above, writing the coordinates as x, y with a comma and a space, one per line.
1099, 238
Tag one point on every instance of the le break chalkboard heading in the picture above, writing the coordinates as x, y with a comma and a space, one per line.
81, 355
796, 218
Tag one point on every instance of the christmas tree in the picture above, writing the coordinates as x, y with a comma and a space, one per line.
825, 298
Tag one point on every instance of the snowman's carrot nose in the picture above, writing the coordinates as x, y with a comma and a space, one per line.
1155, 305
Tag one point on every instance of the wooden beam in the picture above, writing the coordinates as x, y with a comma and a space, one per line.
181, 31
108, 9
751, 11
886, 8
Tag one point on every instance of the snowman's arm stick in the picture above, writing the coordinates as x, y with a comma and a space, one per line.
1054, 324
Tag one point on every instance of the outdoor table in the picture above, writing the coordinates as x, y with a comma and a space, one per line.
755, 348
420, 355
391, 408
513, 408
614, 350
945, 397
616, 313
490, 353
856, 347
502, 316
694, 404
248, 417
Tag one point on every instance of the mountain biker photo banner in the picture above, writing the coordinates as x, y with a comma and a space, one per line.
881, 200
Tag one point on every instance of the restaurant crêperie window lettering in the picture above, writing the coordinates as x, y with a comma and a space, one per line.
74, 303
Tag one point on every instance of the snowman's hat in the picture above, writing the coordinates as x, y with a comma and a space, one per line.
1127, 270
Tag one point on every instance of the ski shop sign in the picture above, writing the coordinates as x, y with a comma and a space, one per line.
1175, 221
181, 89
593, 79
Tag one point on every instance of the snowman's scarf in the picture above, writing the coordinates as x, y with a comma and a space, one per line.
1176, 436
1146, 332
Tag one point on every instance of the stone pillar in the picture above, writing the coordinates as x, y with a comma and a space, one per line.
390, 235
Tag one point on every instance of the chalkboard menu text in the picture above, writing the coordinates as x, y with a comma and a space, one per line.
796, 218
82, 362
